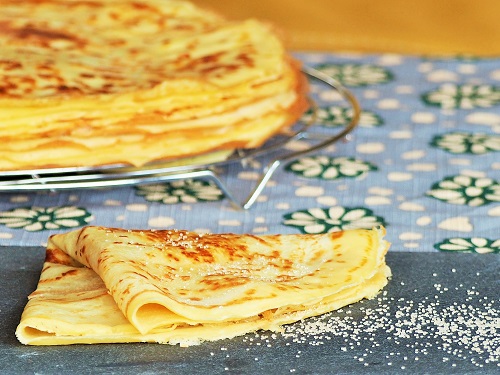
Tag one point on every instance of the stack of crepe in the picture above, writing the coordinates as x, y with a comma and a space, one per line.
105, 285
99, 82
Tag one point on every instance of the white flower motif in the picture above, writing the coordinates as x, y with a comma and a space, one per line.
35, 219
357, 74
181, 191
462, 143
317, 220
466, 190
328, 168
463, 96
335, 116
369, 119
477, 244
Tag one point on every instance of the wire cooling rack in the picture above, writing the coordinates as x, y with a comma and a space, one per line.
52, 179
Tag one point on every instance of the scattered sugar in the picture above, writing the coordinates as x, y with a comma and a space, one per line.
464, 330
446, 325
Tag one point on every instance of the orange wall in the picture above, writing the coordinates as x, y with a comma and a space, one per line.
442, 27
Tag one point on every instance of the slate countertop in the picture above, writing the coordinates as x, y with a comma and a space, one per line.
439, 314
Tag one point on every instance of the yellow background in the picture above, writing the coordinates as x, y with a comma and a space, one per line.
432, 27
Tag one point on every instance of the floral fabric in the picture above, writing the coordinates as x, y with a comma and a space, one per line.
424, 162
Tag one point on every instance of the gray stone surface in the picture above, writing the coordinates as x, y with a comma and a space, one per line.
439, 314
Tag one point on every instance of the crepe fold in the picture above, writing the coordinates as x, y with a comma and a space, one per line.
91, 83
108, 285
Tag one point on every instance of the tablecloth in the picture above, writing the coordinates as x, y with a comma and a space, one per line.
424, 162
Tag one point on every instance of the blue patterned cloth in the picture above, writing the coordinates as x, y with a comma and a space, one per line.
424, 162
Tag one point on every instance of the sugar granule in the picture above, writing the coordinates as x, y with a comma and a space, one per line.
466, 330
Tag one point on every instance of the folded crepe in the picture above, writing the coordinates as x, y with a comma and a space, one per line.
99, 82
108, 285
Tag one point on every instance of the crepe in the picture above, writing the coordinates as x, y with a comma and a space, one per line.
89, 83
108, 285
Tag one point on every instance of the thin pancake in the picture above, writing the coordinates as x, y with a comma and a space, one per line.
106, 82
182, 287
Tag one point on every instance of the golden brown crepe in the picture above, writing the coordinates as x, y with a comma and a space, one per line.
102, 285
86, 83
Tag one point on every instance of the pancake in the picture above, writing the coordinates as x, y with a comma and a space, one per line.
120, 82
103, 285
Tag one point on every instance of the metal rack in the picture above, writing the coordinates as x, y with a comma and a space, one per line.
53, 179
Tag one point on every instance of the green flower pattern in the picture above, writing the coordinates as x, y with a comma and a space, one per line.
467, 96
467, 143
318, 220
181, 191
466, 190
470, 245
35, 219
326, 168
357, 75
335, 116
